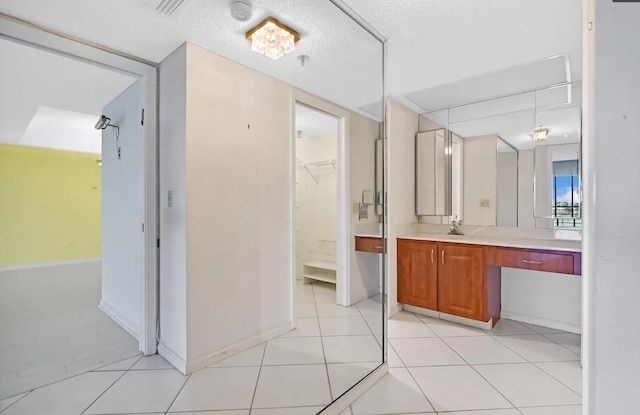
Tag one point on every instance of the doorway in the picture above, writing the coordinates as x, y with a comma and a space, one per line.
53, 280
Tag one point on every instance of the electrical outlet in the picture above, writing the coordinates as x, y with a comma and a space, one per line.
484, 202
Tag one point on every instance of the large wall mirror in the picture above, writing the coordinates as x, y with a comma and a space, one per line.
514, 161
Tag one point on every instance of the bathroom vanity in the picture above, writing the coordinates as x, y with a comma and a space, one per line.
459, 277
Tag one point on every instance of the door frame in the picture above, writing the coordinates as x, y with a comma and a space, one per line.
343, 254
24, 32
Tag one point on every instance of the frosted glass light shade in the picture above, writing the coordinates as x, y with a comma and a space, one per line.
272, 38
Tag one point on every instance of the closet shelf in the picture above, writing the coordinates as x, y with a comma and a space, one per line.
319, 271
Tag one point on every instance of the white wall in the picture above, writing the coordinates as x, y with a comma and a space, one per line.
611, 152
239, 154
507, 189
226, 241
542, 298
365, 267
402, 126
525, 189
122, 237
480, 179
173, 249
316, 202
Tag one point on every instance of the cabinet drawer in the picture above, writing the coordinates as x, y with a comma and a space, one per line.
365, 244
534, 260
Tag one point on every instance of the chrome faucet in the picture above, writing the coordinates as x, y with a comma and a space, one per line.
454, 230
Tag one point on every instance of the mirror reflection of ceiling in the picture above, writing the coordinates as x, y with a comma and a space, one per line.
313, 123
52, 101
515, 117
430, 43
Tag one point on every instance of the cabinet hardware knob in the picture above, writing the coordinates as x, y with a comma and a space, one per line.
442, 256
528, 261
378, 246
432, 252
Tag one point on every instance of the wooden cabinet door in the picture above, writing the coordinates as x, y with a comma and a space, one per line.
461, 280
418, 273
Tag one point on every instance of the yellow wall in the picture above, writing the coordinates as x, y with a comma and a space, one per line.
50, 206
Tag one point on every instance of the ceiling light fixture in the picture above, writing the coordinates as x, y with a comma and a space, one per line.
541, 133
272, 38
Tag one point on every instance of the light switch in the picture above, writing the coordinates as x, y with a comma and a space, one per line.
484, 202
356, 208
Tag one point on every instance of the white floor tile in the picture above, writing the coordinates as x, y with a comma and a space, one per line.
334, 310
370, 307
569, 373
542, 330
553, 410
537, 348
457, 388
395, 393
349, 349
323, 287
402, 327
305, 327
343, 326
404, 315
140, 391
154, 362
287, 386
374, 323
425, 352
509, 327
527, 385
571, 341
305, 298
70, 396
392, 357
250, 357
293, 351
217, 389
308, 410
5, 403
487, 412
444, 328
343, 376
347, 412
306, 310
483, 350
242, 412
121, 365
325, 298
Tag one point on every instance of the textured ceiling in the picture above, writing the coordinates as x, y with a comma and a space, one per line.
314, 123
32, 78
431, 42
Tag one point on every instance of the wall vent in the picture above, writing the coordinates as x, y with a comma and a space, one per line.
167, 7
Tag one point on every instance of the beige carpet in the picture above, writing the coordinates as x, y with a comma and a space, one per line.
51, 327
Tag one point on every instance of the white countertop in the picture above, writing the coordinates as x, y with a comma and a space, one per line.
369, 234
566, 245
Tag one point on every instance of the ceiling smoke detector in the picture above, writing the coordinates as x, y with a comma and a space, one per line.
241, 10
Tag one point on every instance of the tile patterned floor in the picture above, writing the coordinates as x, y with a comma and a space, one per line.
52, 329
435, 367
301, 372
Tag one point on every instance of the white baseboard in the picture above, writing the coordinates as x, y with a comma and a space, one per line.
122, 321
172, 358
49, 264
422, 311
558, 325
200, 363
341, 404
